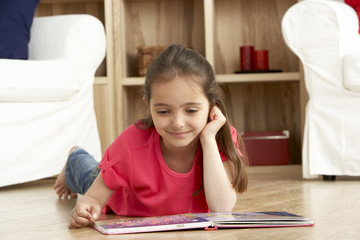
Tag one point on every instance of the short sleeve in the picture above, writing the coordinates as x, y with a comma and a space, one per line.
116, 165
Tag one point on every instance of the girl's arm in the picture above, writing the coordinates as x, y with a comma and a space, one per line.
219, 192
88, 208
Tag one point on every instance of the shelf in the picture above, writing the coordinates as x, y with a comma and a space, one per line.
69, 1
232, 78
133, 81
258, 77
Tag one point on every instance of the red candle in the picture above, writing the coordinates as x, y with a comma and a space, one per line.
246, 58
261, 60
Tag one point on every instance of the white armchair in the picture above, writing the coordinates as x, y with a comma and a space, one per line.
46, 102
324, 35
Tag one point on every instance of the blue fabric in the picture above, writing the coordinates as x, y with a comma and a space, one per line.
80, 171
16, 17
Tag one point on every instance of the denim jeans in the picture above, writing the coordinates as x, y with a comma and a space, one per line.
80, 171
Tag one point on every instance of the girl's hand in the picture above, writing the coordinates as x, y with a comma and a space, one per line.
88, 209
216, 121
85, 213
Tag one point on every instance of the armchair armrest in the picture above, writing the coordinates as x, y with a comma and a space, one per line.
322, 21
351, 72
78, 37
64, 53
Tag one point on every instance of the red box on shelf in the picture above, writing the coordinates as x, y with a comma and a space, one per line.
267, 148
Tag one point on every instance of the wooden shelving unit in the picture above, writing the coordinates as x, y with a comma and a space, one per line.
216, 29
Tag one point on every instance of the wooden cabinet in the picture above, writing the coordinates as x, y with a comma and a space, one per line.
216, 29
104, 90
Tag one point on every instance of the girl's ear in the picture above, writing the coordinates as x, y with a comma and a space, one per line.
145, 101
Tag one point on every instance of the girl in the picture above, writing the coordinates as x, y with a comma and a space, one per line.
185, 157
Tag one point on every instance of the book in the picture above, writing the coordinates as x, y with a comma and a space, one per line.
201, 221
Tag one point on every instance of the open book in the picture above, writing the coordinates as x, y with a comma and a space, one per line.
201, 220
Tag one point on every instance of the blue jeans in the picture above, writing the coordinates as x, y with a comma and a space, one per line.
80, 171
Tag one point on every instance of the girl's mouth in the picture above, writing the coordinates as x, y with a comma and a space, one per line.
179, 134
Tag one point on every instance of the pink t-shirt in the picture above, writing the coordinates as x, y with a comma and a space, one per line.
143, 184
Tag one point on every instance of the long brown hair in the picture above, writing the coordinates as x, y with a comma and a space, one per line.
178, 60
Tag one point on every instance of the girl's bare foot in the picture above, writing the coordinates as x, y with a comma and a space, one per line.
62, 190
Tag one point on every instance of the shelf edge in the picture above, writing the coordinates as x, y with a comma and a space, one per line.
232, 78
258, 77
68, 1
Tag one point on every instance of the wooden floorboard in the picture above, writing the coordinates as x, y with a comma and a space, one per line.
32, 210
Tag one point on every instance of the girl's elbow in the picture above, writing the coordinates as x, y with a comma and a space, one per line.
219, 209
223, 206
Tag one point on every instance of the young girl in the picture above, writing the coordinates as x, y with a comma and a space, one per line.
185, 157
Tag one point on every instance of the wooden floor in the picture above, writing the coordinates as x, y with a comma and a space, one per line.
32, 210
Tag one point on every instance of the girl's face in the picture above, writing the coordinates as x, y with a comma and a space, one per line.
179, 110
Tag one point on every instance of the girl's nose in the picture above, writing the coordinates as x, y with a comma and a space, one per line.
178, 121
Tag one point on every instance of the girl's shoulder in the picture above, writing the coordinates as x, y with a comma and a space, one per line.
137, 135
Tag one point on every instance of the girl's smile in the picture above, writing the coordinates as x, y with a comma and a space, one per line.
179, 134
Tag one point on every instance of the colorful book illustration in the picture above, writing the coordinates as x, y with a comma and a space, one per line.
201, 221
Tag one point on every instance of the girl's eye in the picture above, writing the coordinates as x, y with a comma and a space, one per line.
162, 112
192, 111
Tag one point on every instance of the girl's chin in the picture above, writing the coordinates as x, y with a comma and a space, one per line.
180, 143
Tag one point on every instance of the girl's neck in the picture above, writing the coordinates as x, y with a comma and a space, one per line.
180, 160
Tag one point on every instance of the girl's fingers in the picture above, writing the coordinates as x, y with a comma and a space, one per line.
76, 222
83, 213
217, 119
79, 222
95, 212
216, 113
80, 217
